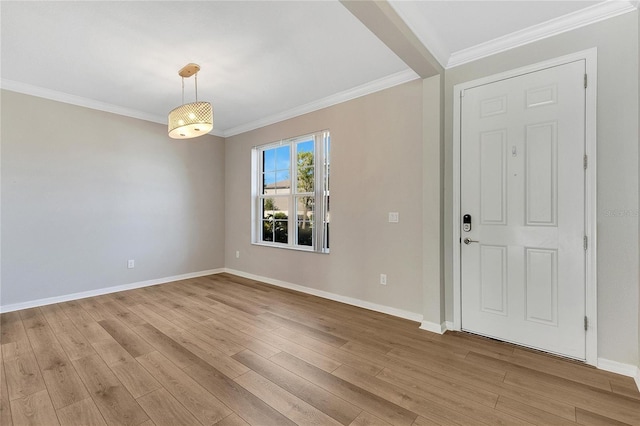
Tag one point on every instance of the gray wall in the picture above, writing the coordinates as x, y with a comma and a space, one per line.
376, 144
84, 190
617, 157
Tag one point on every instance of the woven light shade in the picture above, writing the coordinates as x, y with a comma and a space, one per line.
194, 119
191, 120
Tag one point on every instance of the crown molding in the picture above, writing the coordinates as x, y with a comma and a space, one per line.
581, 18
347, 95
41, 92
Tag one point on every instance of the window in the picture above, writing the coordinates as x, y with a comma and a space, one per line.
291, 193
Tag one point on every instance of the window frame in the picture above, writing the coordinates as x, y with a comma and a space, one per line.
320, 216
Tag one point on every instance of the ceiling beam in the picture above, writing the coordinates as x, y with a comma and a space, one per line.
383, 21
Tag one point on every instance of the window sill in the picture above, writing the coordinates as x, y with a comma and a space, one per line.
287, 247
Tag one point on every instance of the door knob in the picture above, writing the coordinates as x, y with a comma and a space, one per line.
469, 241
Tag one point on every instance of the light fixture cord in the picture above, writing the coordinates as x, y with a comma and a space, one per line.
196, 87
182, 91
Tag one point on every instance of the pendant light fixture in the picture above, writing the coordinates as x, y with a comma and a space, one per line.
194, 119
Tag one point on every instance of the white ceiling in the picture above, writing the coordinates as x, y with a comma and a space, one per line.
261, 61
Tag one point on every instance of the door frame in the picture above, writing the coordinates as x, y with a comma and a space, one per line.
591, 309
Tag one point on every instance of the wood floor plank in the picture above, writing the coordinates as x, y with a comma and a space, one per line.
134, 378
423, 421
625, 387
171, 349
152, 315
441, 384
232, 420
586, 417
111, 351
5, 412
561, 368
203, 350
127, 316
114, 402
386, 410
312, 357
11, 328
286, 403
85, 323
366, 419
203, 405
72, 341
63, 382
606, 404
426, 374
81, 413
165, 410
35, 409
241, 339
129, 340
253, 409
337, 354
5, 406
424, 400
529, 413
23, 375
325, 401
95, 309
210, 333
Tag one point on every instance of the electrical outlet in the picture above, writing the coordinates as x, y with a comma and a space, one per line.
131, 263
237, 254
383, 279
394, 217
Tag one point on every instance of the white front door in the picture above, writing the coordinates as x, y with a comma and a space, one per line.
522, 183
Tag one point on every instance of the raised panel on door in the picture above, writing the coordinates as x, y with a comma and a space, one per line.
541, 286
493, 180
541, 174
493, 279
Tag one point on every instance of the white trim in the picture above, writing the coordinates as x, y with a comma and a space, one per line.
347, 95
433, 327
331, 296
106, 290
41, 92
590, 15
455, 248
637, 377
590, 57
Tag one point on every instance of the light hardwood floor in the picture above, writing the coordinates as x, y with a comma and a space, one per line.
225, 350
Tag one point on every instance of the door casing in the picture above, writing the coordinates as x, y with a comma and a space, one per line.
590, 57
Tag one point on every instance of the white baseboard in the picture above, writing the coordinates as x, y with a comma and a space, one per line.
106, 290
434, 327
331, 296
637, 377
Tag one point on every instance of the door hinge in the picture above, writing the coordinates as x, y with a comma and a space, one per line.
586, 242
585, 161
585, 81
586, 323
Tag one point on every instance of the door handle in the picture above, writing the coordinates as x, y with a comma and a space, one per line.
469, 241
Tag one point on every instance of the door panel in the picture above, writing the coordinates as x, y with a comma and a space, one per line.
522, 181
